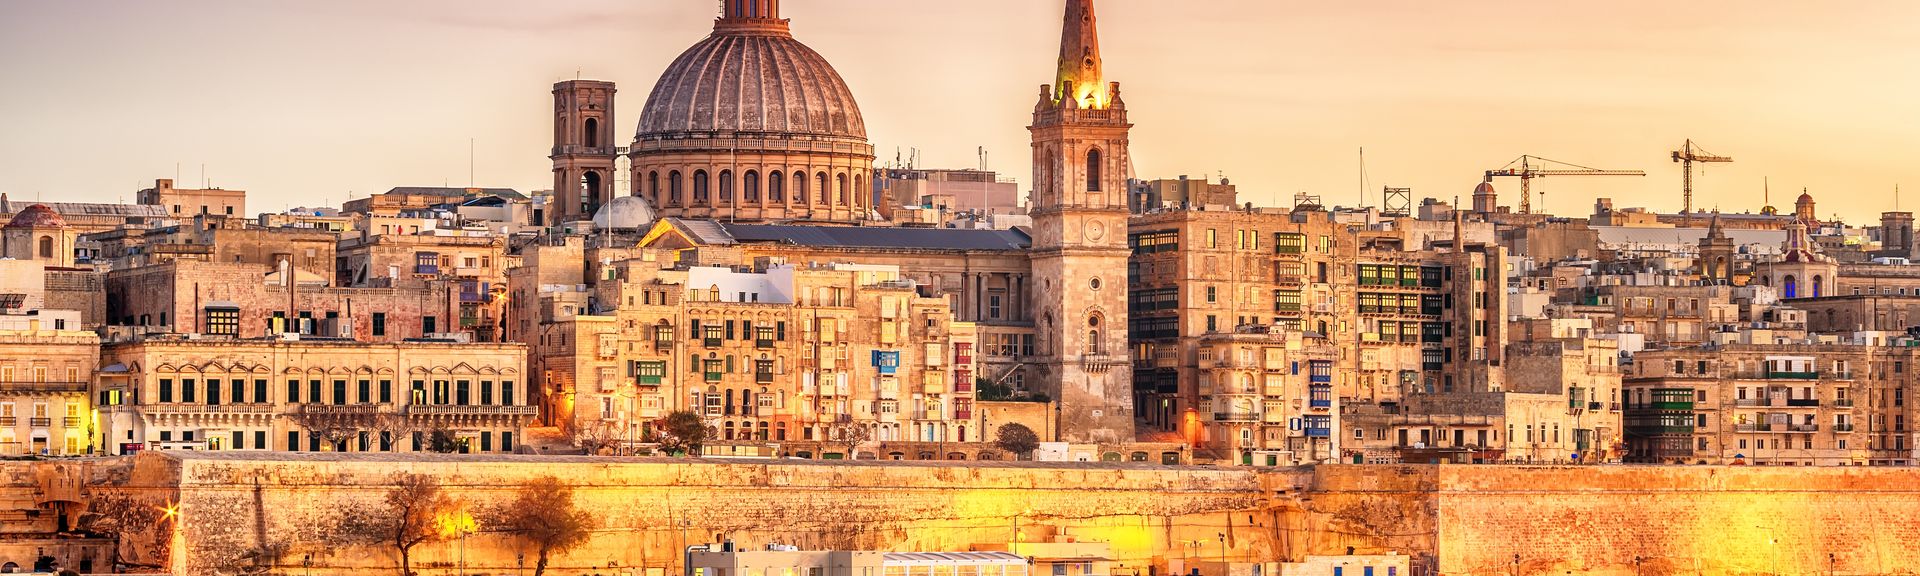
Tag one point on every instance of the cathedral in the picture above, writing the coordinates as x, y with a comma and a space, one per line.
752, 143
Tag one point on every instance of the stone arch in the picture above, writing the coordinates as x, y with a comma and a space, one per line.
673, 188
776, 187
750, 189
823, 192
700, 188
799, 187
726, 186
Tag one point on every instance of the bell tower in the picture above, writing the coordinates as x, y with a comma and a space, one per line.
583, 150
1079, 208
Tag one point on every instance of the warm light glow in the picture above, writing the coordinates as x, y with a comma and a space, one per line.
169, 512
456, 523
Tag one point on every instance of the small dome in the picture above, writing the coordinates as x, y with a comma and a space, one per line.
1805, 198
37, 216
1483, 188
624, 213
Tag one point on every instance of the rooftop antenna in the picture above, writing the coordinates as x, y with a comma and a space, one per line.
1363, 178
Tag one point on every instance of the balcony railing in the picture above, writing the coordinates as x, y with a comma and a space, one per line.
45, 386
428, 409
1804, 428
1753, 402
1613, 406
1843, 427
763, 343
711, 342
1672, 405
962, 414
1319, 432
70, 421
1320, 403
1774, 375
1752, 428
345, 408
1236, 416
763, 377
206, 409
1843, 403
40, 422
426, 269
1803, 402
9, 421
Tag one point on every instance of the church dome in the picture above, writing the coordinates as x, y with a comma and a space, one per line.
37, 216
751, 75
624, 213
1483, 188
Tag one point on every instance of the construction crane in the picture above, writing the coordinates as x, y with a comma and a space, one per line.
1526, 168
1686, 156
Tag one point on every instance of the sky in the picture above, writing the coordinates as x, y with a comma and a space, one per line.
314, 102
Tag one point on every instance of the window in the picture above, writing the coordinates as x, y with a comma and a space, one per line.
223, 320
1093, 170
427, 325
1212, 237
379, 324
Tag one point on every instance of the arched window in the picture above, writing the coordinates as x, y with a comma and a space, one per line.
46, 247
589, 192
825, 193
800, 187
591, 133
860, 190
752, 188
1789, 287
776, 189
841, 181
699, 187
653, 187
1093, 170
1093, 342
1819, 286
673, 188
726, 186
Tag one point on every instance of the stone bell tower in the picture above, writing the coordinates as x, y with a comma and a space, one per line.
583, 150
1079, 209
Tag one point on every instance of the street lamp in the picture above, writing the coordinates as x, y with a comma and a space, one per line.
307, 563
1223, 554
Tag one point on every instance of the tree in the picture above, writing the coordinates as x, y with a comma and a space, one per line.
845, 432
683, 431
443, 441
596, 437
1017, 439
544, 516
410, 519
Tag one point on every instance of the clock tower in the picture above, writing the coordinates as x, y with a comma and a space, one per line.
1079, 209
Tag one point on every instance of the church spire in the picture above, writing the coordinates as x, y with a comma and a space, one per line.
1079, 76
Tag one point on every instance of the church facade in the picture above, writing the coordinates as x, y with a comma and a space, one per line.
751, 154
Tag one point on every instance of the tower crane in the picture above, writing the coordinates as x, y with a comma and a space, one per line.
1526, 168
1686, 156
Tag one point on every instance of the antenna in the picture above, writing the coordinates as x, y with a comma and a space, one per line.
1363, 178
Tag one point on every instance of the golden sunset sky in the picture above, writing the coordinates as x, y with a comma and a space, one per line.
305, 103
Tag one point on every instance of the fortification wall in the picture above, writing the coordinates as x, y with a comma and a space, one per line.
220, 513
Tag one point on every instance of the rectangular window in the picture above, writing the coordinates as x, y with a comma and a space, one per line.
386, 391
1212, 238
213, 392
166, 390
260, 440
339, 392
187, 391
260, 395
486, 393
428, 326
365, 390
293, 441
223, 321
461, 393
379, 324
293, 391
313, 392
506, 394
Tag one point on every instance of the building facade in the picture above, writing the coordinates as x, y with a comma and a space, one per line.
291, 394
47, 367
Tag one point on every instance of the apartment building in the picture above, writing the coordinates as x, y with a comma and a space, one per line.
1771, 404
204, 392
47, 365
1271, 391
767, 352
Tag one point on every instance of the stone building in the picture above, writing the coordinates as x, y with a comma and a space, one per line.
1771, 404
89, 218
47, 366
252, 301
768, 353
749, 124
205, 392
184, 203
1183, 193
1272, 395
39, 234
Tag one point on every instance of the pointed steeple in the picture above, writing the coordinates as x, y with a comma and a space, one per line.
1079, 78
1713, 228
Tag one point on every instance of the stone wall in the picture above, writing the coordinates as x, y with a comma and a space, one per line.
1484, 520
